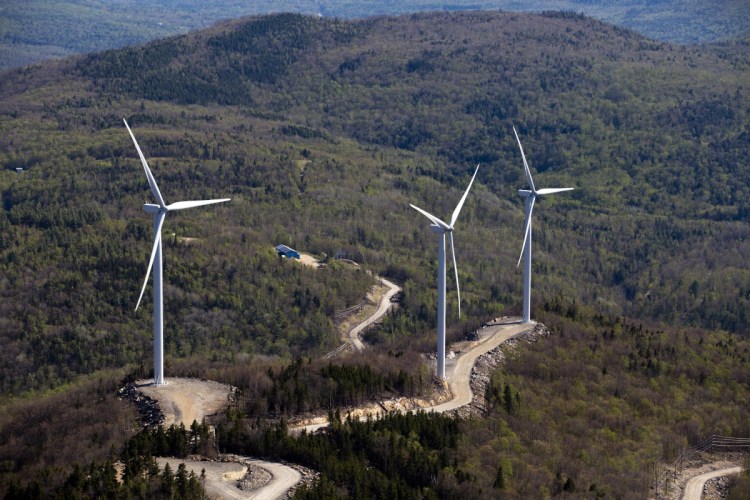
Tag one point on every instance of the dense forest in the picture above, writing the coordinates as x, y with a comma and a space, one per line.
138, 476
554, 427
322, 132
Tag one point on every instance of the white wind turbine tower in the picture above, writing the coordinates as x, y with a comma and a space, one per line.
159, 211
440, 227
530, 196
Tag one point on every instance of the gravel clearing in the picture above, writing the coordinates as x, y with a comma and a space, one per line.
183, 400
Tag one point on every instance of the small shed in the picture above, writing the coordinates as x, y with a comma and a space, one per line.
285, 251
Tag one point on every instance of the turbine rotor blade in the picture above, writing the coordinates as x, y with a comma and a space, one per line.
157, 242
181, 205
455, 268
525, 164
553, 190
151, 181
527, 230
432, 218
463, 198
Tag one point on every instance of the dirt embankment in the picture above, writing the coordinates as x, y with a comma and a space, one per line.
486, 365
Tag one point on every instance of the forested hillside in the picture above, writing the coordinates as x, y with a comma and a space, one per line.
590, 412
322, 132
656, 145
34, 30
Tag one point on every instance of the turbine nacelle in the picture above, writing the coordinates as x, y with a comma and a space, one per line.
529, 196
440, 227
160, 211
532, 193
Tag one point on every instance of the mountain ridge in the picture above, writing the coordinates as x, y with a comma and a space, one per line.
39, 29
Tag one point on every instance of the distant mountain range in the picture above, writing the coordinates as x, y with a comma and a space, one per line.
34, 30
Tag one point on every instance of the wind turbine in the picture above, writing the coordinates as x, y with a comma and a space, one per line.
159, 212
530, 197
440, 227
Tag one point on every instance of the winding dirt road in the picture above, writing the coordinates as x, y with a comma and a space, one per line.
458, 370
694, 487
222, 477
185, 400
284, 478
385, 304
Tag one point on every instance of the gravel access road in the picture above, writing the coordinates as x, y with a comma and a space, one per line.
222, 478
694, 487
185, 400
458, 370
385, 304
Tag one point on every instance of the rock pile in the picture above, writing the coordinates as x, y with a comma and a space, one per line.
485, 366
255, 478
309, 477
716, 488
151, 414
